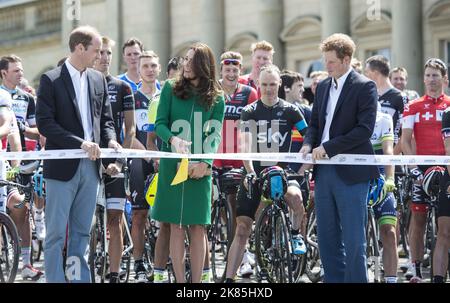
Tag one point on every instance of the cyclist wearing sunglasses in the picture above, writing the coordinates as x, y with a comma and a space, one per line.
262, 54
237, 96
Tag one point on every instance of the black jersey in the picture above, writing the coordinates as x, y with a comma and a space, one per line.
271, 127
446, 123
121, 99
392, 103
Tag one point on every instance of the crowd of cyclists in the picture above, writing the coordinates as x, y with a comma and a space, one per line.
269, 104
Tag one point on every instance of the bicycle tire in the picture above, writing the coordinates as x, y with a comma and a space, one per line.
373, 249
271, 262
97, 251
430, 238
9, 255
220, 234
312, 262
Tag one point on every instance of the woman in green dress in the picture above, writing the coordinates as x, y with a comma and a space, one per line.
189, 120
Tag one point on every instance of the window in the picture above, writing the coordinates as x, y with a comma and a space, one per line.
386, 52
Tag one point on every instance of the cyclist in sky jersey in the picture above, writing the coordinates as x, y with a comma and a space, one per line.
266, 126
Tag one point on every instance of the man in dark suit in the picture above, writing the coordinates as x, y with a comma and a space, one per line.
73, 112
342, 122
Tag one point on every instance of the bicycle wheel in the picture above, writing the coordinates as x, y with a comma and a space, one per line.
97, 251
125, 262
220, 235
312, 262
9, 244
373, 250
430, 238
272, 246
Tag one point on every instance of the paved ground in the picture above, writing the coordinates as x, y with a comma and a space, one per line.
252, 279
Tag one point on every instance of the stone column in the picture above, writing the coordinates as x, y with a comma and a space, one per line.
159, 31
335, 16
70, 17
407, 47
270, 27
115, 29
213, 25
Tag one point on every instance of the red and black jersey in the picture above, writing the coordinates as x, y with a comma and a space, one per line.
234, 104
245, 79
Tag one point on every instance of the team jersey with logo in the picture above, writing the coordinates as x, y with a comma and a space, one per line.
271, 127
424, 116
141, 104
234, 104
24, 107
446, 124
297, 138
392, 103
383, 131
121, 99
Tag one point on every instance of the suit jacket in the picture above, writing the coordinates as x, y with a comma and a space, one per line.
352, 125
58, 117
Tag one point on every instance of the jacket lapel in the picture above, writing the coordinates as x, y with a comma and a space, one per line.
325, 97
91, 93
69, 86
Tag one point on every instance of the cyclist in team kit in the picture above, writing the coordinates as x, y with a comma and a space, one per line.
122, 105
267, 126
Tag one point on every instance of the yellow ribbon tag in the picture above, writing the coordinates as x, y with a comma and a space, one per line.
182, 173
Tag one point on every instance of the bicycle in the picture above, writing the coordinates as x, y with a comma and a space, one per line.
9, 236
220, 232
273, 239
99, 241
403, 195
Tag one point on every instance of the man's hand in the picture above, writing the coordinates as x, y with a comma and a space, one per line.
92, 149
156, 164
198, 170
181, 146
319, 153
252, 177
114, 168
113, 144
389, 185
306, 149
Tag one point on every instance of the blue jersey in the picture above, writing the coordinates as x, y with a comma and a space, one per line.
135, 86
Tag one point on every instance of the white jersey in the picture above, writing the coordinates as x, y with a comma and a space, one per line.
5, 99
383, 131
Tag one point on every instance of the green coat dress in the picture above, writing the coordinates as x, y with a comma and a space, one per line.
188, 203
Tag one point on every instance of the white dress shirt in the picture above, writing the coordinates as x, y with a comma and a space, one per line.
81, 87
335, 92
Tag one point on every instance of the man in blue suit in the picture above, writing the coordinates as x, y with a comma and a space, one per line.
342, 122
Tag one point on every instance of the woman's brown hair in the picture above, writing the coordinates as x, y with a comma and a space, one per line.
204, 68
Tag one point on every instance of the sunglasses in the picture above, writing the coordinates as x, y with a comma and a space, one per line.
231, 61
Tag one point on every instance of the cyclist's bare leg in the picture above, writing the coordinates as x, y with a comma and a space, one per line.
294, 199
390, 256
237, 249
207, 254
162, 246
440, 256
197, 234
417, 232
177, 251
21, 217
115, 227
139, 218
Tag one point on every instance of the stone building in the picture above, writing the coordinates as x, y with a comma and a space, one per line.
406, 31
